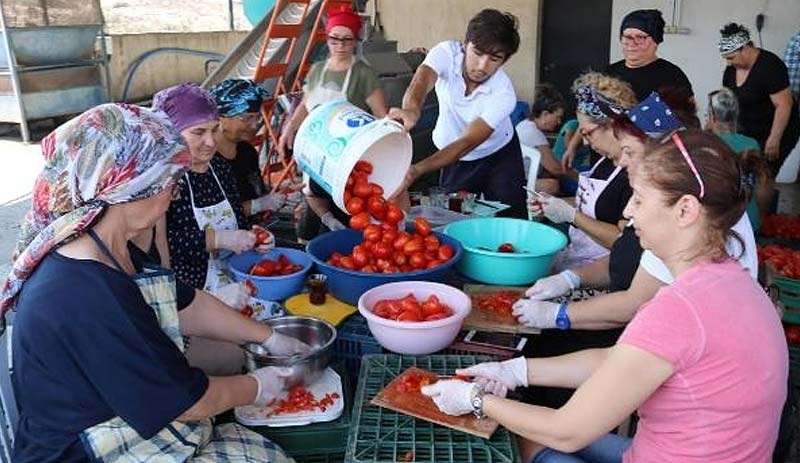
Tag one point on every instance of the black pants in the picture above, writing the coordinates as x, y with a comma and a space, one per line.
500, 177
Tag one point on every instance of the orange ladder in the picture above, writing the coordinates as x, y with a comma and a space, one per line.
277, 170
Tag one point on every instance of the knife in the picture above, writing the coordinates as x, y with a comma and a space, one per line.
486, 204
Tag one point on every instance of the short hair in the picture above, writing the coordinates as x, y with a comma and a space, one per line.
492, 31
546, 98
611, 88
723, 105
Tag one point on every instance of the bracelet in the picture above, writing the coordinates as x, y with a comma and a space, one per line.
562, 318
477, 403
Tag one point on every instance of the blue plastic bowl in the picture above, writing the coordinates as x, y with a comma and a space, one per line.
272, 288
535, 246
349, 285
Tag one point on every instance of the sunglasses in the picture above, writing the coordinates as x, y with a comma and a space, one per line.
682, 148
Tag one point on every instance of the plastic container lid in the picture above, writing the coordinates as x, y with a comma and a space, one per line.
329, 382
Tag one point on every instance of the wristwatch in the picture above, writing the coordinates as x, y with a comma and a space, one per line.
562, 318
477, 402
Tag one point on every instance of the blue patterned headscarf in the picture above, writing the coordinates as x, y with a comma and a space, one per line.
595, 105
238, 96
654, 117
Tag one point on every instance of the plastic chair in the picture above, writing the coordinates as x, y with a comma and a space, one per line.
530, 158
9, 415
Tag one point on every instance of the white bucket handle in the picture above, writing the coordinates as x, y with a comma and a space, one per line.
387, 120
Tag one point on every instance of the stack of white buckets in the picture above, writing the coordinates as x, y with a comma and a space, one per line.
336, 135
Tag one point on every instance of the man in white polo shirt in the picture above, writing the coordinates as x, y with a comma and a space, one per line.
478, 148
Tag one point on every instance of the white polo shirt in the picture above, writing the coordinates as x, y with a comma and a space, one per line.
747, 257
492, 101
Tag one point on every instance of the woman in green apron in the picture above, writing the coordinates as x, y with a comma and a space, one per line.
99, 372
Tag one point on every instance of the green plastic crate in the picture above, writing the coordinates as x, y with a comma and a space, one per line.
305, 443
354, 340
379, 435
321, 458
789, 298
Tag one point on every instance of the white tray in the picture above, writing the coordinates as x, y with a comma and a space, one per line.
329, 382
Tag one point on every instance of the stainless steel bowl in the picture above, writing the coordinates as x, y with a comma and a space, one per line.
306, 368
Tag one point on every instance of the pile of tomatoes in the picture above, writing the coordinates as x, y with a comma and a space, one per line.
301, 399
413, 381
784, 260
499, 302
271, 268
409, 309
781, 226
385, 249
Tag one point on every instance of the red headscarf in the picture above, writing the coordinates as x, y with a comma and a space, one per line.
344, 17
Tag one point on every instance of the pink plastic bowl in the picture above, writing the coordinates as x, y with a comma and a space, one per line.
415, 338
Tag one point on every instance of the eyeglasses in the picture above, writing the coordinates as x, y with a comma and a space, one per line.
588, 133
341, 40
636, 39
251, 118
679, 143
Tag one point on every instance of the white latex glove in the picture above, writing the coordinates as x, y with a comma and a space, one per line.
267, 245
557, 210
294, 198
271, 383
554, 286
535, 314
498, 378
269, 202
281, 344
331, 222
535, 207
234, 240
235, 295
452, 396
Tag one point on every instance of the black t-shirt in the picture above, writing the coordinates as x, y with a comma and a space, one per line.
245, 170
614, 198
87, 348
647, 79
624, 260
768, 76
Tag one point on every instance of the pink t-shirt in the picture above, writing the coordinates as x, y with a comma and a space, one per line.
724, 339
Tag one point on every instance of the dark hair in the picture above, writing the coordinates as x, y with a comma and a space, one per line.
492, 31
733, 29
546, 98
724, 177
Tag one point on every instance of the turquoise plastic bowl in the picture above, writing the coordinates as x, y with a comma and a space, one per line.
535, 245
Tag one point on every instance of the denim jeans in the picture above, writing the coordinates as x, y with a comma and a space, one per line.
607, 449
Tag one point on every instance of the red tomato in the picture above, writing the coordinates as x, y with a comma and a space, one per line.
409, 316
382, 264
360, 258
363, 166
506, 247
362, 190
377, 190
418, 260
400, 259
422, 226
414, 245
372, 233
355, 205
376, 206
792, 334
393, 214
359, 221
382, 250
401, 241
445, 252
348, 263
389, 236
434, 263
369, 268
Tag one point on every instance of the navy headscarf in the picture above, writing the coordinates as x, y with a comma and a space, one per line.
238, 96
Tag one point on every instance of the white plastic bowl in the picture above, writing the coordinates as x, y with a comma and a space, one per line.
415, 338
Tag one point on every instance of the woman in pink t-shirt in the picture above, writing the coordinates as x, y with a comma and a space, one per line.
704, 362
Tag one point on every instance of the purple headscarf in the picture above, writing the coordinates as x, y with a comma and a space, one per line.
186, 105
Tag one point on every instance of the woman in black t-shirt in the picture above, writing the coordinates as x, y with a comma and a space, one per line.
760, 81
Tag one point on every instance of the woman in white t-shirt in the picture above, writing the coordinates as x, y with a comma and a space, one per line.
546, 113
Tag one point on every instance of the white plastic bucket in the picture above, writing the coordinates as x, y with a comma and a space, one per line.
336, 135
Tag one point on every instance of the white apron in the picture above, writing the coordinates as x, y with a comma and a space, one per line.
219, 216
582, 248
320, 94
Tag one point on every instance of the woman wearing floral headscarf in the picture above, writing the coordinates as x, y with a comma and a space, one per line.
239, 102
99, 373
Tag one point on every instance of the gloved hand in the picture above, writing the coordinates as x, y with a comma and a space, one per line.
271, 383
557, 210
294, 198
554, 286
281, 344
498, 378
235, 295
535, 314
535, 207
234, 240
452, 396
331, 222
265, 240
269, 202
